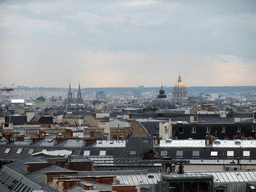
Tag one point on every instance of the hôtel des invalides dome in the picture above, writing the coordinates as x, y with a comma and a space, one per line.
178, 96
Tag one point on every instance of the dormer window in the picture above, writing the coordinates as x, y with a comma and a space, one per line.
217, 142
165, 129
193, 130
223, 129
237, 142
181, 130
208, 130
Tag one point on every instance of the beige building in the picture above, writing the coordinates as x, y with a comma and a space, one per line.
165, 129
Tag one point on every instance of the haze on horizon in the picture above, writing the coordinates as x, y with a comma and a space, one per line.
127, 43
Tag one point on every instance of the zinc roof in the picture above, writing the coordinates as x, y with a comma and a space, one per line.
201, 143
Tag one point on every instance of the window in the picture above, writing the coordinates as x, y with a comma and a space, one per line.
208, 130
7, 151
12, 184
31, 151
223, 129
237, 142
193, 130
165, 129
132, 152
230, 153
181, 130
163, 153
238, 129
253, 128
214, 153
195, 153
217, 142
19, 151
102, 153
246, 153
86, 153
179, 153
195, 118
151, 176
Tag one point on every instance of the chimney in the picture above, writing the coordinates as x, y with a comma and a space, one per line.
9, 136
88, 141
69, 132
34, 139
156, 140
57, 140
48, 176
20, 138
208, 140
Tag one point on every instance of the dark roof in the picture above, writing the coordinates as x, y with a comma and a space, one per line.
13, 178
38, 176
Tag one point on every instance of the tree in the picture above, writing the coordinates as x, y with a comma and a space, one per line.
41, 98
148, 109
96, 102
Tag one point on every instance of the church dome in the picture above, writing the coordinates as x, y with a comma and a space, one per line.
162, 102
179, 93
179, 84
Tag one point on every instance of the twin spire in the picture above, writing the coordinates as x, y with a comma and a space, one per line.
79, 94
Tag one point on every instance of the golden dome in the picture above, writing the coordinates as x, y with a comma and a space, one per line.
179, 84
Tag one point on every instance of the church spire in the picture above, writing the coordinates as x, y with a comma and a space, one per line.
179, 78
69, 92
79, 94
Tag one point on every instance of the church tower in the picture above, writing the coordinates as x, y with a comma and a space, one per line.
79, 95
179, 92
69, 94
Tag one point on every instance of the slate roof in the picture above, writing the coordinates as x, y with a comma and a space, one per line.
38, 176
12, 179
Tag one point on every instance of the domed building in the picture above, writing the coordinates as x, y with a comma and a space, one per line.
179, 92
162, 102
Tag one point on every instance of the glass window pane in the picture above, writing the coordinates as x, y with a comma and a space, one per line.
230, 153
86, 153
214, 153
19, 151
7, 151
246, 153
196, 153
31, 151
163, 153
179, 153
102, 152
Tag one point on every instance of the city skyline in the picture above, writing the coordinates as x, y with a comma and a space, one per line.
127, 43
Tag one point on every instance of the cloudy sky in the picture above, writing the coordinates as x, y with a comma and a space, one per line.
127, 43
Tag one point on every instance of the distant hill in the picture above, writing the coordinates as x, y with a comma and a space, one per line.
242, 90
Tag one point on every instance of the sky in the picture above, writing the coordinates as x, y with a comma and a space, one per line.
51, 43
